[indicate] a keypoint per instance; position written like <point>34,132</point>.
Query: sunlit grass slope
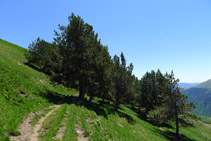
<point>102,123</point>
<point>22,89</point>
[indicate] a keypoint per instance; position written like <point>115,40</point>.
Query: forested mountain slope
<point>200,95</point>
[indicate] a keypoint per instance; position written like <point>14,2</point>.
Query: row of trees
<point>77,59</point>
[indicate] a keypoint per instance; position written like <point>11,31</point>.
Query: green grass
<point>199,131</point>
<point>40,115</point>
<point>109,126</point>
<point>84,123</point>
<point>102,123</point>
<point>205,119</point>
<point>24,90</point>
<point>53,122</point>
<point>70,132</point>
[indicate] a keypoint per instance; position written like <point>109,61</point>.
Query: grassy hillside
<point>22,89</point>
<point>25,92</point>
<point>200,95</point>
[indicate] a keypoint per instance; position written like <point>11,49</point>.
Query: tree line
<point>77,59</point>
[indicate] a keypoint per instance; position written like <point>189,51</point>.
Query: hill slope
<point>200,95</point>
<point>187,85</point>
<point>22,89</point>
<point>206,84</point>
<point>27,96</point>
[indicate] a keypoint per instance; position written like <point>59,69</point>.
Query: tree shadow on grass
<point>186,123</point>
<point>129,119</point>
<point>32,66</point>
<point>155,122</point>
<point>99,108</point>
<point>106,109</point>
<point>57,98</point>
<point>171,135</point>
<point>167,134</point>
<point>52,97</point>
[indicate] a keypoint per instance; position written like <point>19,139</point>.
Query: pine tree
<point>79,47</point>
<point>45,56</point>
<point>121,80</point>
<point>175,103</point>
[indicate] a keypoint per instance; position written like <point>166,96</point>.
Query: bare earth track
<point>80,134</point>
<point>29,132</point>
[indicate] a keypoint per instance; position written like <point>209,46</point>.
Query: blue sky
<point>165,34</point>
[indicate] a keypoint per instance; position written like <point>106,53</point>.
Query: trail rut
<point>29,132</point>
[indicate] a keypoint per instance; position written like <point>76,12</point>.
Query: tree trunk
<point>132,106</point>
<point>139,107</point>
<point>103,101</point>
<point>146,111</point>
<point>116,105</point>
<point>81,90</point>
<point>117,102</point>
<point>176,118</point>
<point>90,99</point>
<point>177,124</point>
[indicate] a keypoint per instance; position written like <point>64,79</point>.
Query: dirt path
<point>80,134</point>
<point>29,132</point>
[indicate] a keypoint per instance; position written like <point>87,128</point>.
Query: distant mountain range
<point>200,95</point>
<point>187,85</point>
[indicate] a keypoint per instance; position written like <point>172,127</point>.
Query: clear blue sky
<point>166,34</point>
